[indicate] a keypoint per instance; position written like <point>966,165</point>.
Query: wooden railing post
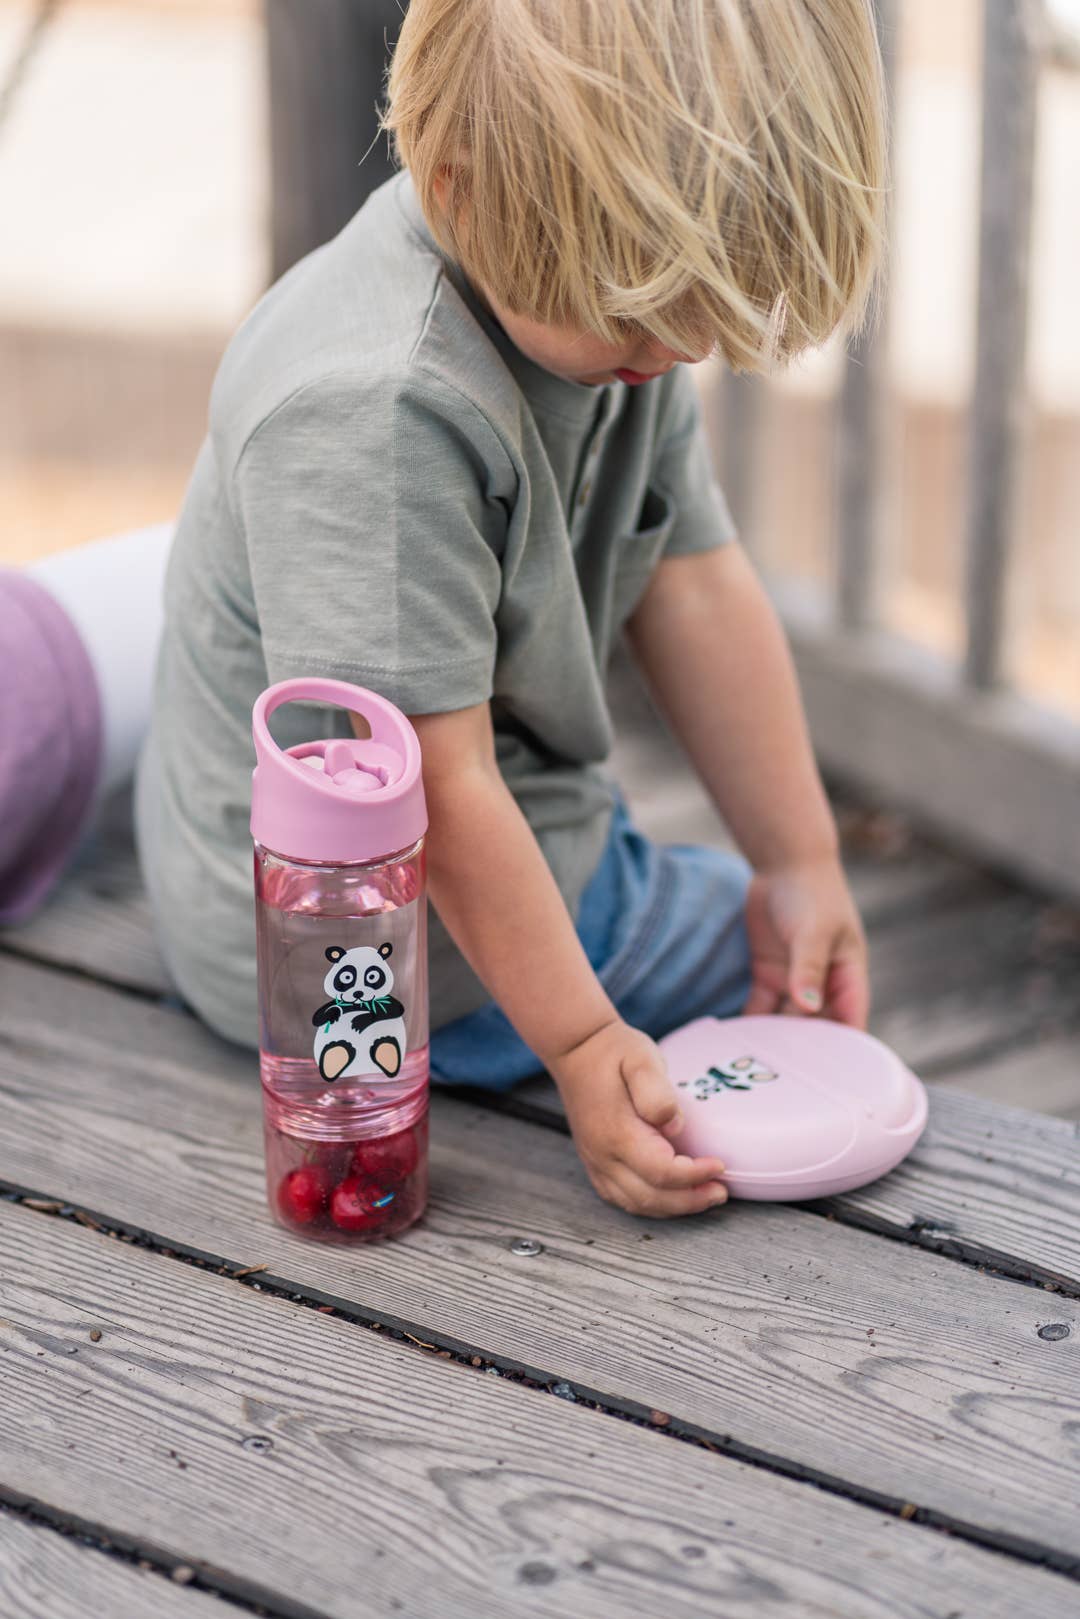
<point>862,483</point>
<point>326,63</point>
<point>740,414</point>
<point>1009,81</point>
<point>997,773</point>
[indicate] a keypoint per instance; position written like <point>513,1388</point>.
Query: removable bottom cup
<point>347,1192</point>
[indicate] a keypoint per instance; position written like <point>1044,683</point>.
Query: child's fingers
<point>763,998</point>
<point>638,1196</point>
<point>849,993</point>
<point>651,1091</point>
<point>810,951</point>
<point>653,1161</point>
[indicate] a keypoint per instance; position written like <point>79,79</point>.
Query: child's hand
<point>808,951</point>
<point>622,1107</point>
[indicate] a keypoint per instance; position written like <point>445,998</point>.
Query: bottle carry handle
<point>389,727</point>
<point>366,801</point>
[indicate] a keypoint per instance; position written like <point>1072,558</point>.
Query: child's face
<point>574,355</point>
<point>580,357</point>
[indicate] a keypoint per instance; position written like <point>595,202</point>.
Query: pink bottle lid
<point>346,799</point>
<point>796,1107</point>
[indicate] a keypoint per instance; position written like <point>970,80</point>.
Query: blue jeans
<point>663,928</point>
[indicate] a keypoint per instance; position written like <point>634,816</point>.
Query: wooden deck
<point>866,1408</point>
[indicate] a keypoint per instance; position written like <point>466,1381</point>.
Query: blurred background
<point>136,233</point>
<point>137,230</point>
<point>912,498</point>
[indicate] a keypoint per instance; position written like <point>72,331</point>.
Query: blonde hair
<point>707,173</point>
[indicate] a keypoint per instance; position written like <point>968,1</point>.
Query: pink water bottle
<point>341,928</point>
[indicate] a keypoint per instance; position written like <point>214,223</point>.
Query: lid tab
<point>339,800</point>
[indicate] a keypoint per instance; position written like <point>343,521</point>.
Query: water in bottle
<point>341,934</point>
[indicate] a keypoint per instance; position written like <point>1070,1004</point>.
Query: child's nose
<point>660,354</point>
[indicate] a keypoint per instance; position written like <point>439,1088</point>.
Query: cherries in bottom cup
<point>347,1191</point>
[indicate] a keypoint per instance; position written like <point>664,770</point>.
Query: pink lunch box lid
<point>796,1107</point>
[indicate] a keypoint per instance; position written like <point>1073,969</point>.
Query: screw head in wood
<point>526,1247</point>
<point>258,1442</point>
<point>1054,1330</point>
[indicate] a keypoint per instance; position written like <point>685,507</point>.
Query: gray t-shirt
<point>392,493</point>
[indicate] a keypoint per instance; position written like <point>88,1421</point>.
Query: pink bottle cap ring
<point>339,800</point>
<point>796,1107</point>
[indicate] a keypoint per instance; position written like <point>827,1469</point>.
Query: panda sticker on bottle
<point>361,1030</point>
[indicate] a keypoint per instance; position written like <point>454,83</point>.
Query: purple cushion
<point>50,742</point>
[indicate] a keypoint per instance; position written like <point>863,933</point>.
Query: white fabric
<point>111,589</point>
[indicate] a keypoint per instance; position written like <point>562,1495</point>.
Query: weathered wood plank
<point>887,875</point>
<point>991,772</point>
<point>380,1474</point>
<point>1043,1078</point>
<point>158,1128</point>
<point>985,973</point>
<point>939,977</point>
<point>957,955</point>
<point>970,1022</point>
<point>98,920</point>
<point>45,1575</point>
<point>998,1185</point>
<point>925,881</point>
<point>924,958</point>
<point>670,805</point>
<point>994,1183</point>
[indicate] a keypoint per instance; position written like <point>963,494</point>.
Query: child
<point>454,453</point>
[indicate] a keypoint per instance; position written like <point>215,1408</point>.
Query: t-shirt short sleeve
<point>682,474</point>
<point>374,536</point>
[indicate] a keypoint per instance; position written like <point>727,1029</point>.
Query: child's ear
<point>442,180</point>
<point>448,179</point>
<point>335,952</point>
<point>385,950</point>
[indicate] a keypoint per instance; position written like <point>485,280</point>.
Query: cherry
<point>386,1158</point>
<point>355,1206</point>
<point>303,1194</point>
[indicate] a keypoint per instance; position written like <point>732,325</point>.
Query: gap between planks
<point>210,1146</point>
<point>536,1102</point>
<point>931,1004</point>
<point>79,1567</point>
<point>430,1342</point>
<point>539,1103</point>
<point>556,1498</point>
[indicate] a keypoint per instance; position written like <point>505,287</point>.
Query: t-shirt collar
<point>575,401</point>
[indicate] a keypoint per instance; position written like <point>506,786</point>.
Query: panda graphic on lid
<point>361,1030</point>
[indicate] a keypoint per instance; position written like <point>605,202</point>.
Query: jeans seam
<point>615,981</point>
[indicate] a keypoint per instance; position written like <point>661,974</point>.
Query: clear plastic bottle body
<point>343,1013</point>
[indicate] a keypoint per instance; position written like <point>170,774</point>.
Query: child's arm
<point>494,892</point>
<point>714,653</point>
